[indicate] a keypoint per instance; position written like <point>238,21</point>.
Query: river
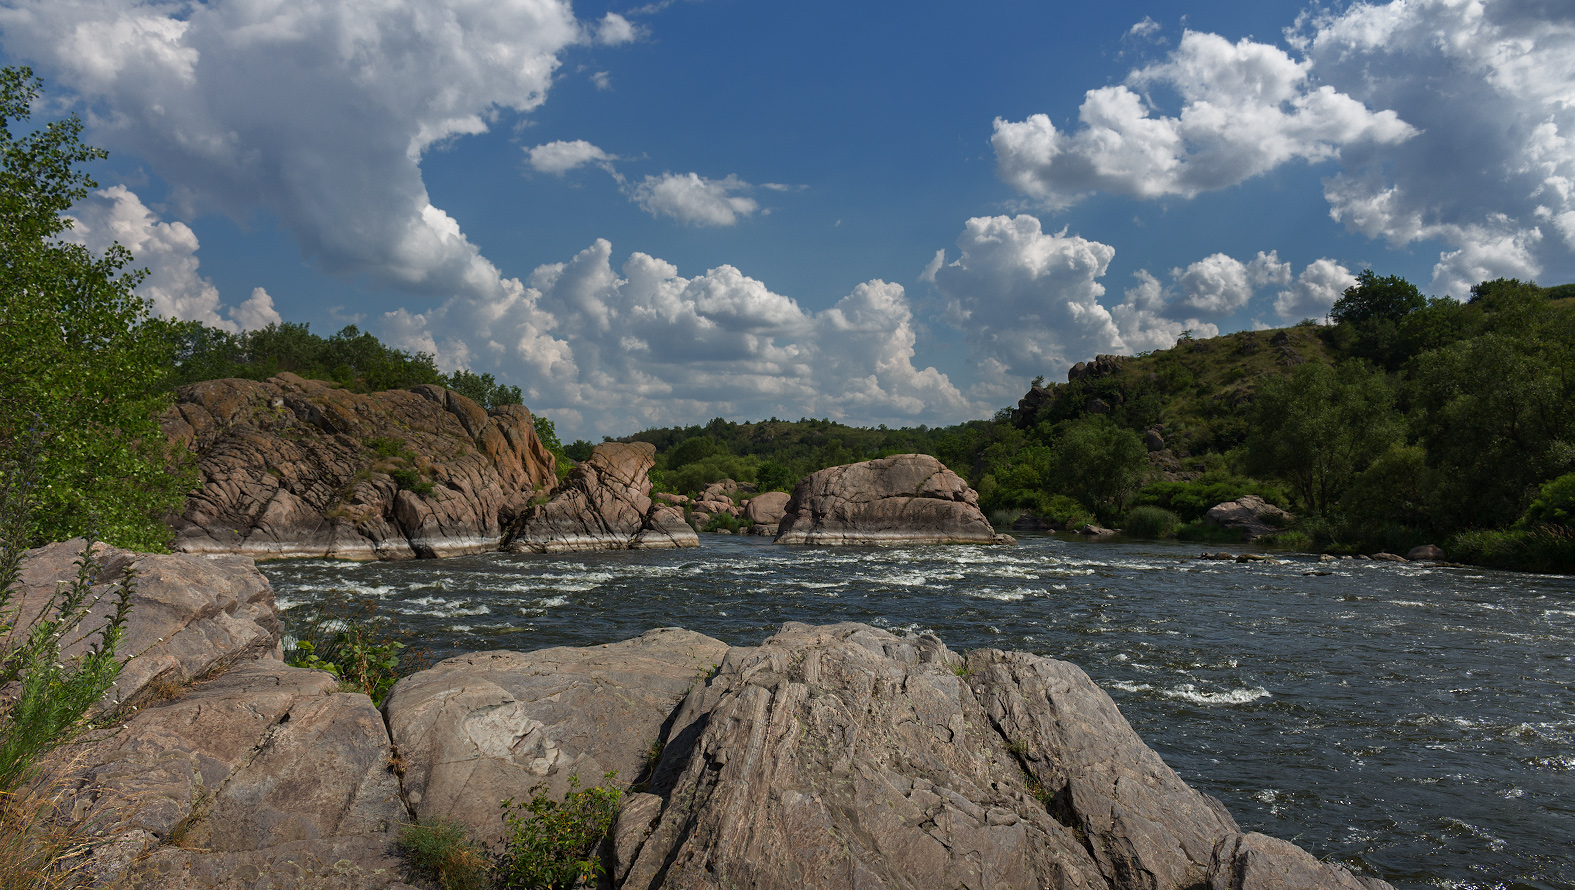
<point>1413,723</point>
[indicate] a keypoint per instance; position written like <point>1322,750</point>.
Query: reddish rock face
<point>293,467</point>
<point>903,499</point>
<point>604,504</point>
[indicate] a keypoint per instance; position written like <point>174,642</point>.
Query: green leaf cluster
<point>83,367</point>
<point>551,844</point>
<point>346,639</point>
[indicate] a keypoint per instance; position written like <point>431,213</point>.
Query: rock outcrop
<point>293,467</point>
<point>478,728</point>
<point>604,504</point>
<point>1253,516</point>
<point>904,499</point>
<point>190,617</point>
<point>766,512</point>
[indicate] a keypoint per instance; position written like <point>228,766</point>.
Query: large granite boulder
<point>1253,516</point>
<point>245,782</point>
<point>765,511</point>
<point>479,728</point>
<point>604,504</point>
<point>294,468</point>
<point>190,616</point>
<point>844,756</point>
<point>904,499</point>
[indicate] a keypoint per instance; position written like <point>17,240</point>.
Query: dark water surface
<point>1414,723</point>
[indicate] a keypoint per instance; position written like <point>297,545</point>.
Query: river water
<point>1413,723</point>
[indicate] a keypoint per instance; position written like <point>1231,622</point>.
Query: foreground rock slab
<point>245,782</point>
<point>299,468</point>
<point>479,728</point>
<point>604,504</point>
<point>904,499</point>
<point>190,617</point>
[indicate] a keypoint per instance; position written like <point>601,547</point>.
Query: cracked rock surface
<point>189,616</point>
<point>292,468</point>
<point>604,504</point>
<point>478,728</point>
<point>903,499</point>
<point>244,782</point>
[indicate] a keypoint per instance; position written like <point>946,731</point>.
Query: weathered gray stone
<point>1259,862</point>
<point>232,782</point>
<point>604,504</point>
<point>1426,552</point>
<point>190,616</point>
<point>479,728</point>
<point>767,508</point>
<point>1251,515</point>
<point>904,499</point>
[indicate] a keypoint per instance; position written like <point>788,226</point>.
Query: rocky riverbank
<point>826,756</point>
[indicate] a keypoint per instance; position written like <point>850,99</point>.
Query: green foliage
<point>724,522</point>
<point>54,692</point>
<point>1190,500</point>
<point>386,446</point>
<point>442,851</point>
<point>484,390</point>
<point>346,639</point>
<point>83,368</point>
<point>1554,505</point>
<point>1544,548</point>
<point>547,432</point>
<point>551,844</point>
<point>1318,426</point>
<point>1100,463</point>
<point>1150,522</point>
<point>410,479</point>
<point>1372,297</point>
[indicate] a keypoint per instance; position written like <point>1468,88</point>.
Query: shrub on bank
<point>1150,522</point>
<point>1541,548</point>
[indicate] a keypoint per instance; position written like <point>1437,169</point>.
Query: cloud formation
<point>168,251</point>
<point>1246,108</point>
<point>329,142</point>
<point>560,157</point>
<point>693,199</point>
<point>1491,174</point>
<point>601,350</point>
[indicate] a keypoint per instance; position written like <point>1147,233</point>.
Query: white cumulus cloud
<point>693,199</point>
<point>316,112</point>
<point>1246,108</point>
<point>1314,291</point>
<point>168,251</point>
<point>560,157</point>
<point>604,351</point>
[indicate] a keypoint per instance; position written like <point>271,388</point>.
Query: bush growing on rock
<point>551,844</point>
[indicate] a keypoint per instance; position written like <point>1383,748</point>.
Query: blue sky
<point>880,213</point>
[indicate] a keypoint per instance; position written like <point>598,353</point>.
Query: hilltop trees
<point>83,366</point>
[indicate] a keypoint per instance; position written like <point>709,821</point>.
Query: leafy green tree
<point>1100,463</point>
<point>1318,426</point>
<point>83,367</point>
<point>1373,297</point>
<point>486,391</point>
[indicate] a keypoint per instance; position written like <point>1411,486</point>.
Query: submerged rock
<point>300,468</point>
<point>905,499</point>
<point>604,504</point>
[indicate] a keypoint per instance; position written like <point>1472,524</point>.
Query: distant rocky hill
<point>298,468</point>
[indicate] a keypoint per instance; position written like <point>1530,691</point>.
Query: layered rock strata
<point>904,499</point>
<point>604,504</point>
<point>298,468</point>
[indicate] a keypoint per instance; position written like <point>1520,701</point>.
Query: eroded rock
<point>904,499</point>
<point>604,504</point>
<point>479,728</point>
<point>299,468</point>
<point>190,616</point>
<point>1253,516</point>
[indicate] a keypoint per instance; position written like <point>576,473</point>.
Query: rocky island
<point>904,499</point>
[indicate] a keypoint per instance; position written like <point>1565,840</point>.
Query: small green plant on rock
<point>551,844</point>
<point>442,851</point>
<point>344,640</point>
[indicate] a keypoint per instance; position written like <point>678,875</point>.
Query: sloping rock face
<point>844,756</point>
<point>295,468</point>
<point>479,728</point>
<point>245,782</point>
<point>1251,515</point>
<point>604,504</point>
<point>904,499</point>
<point>190,617</point>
